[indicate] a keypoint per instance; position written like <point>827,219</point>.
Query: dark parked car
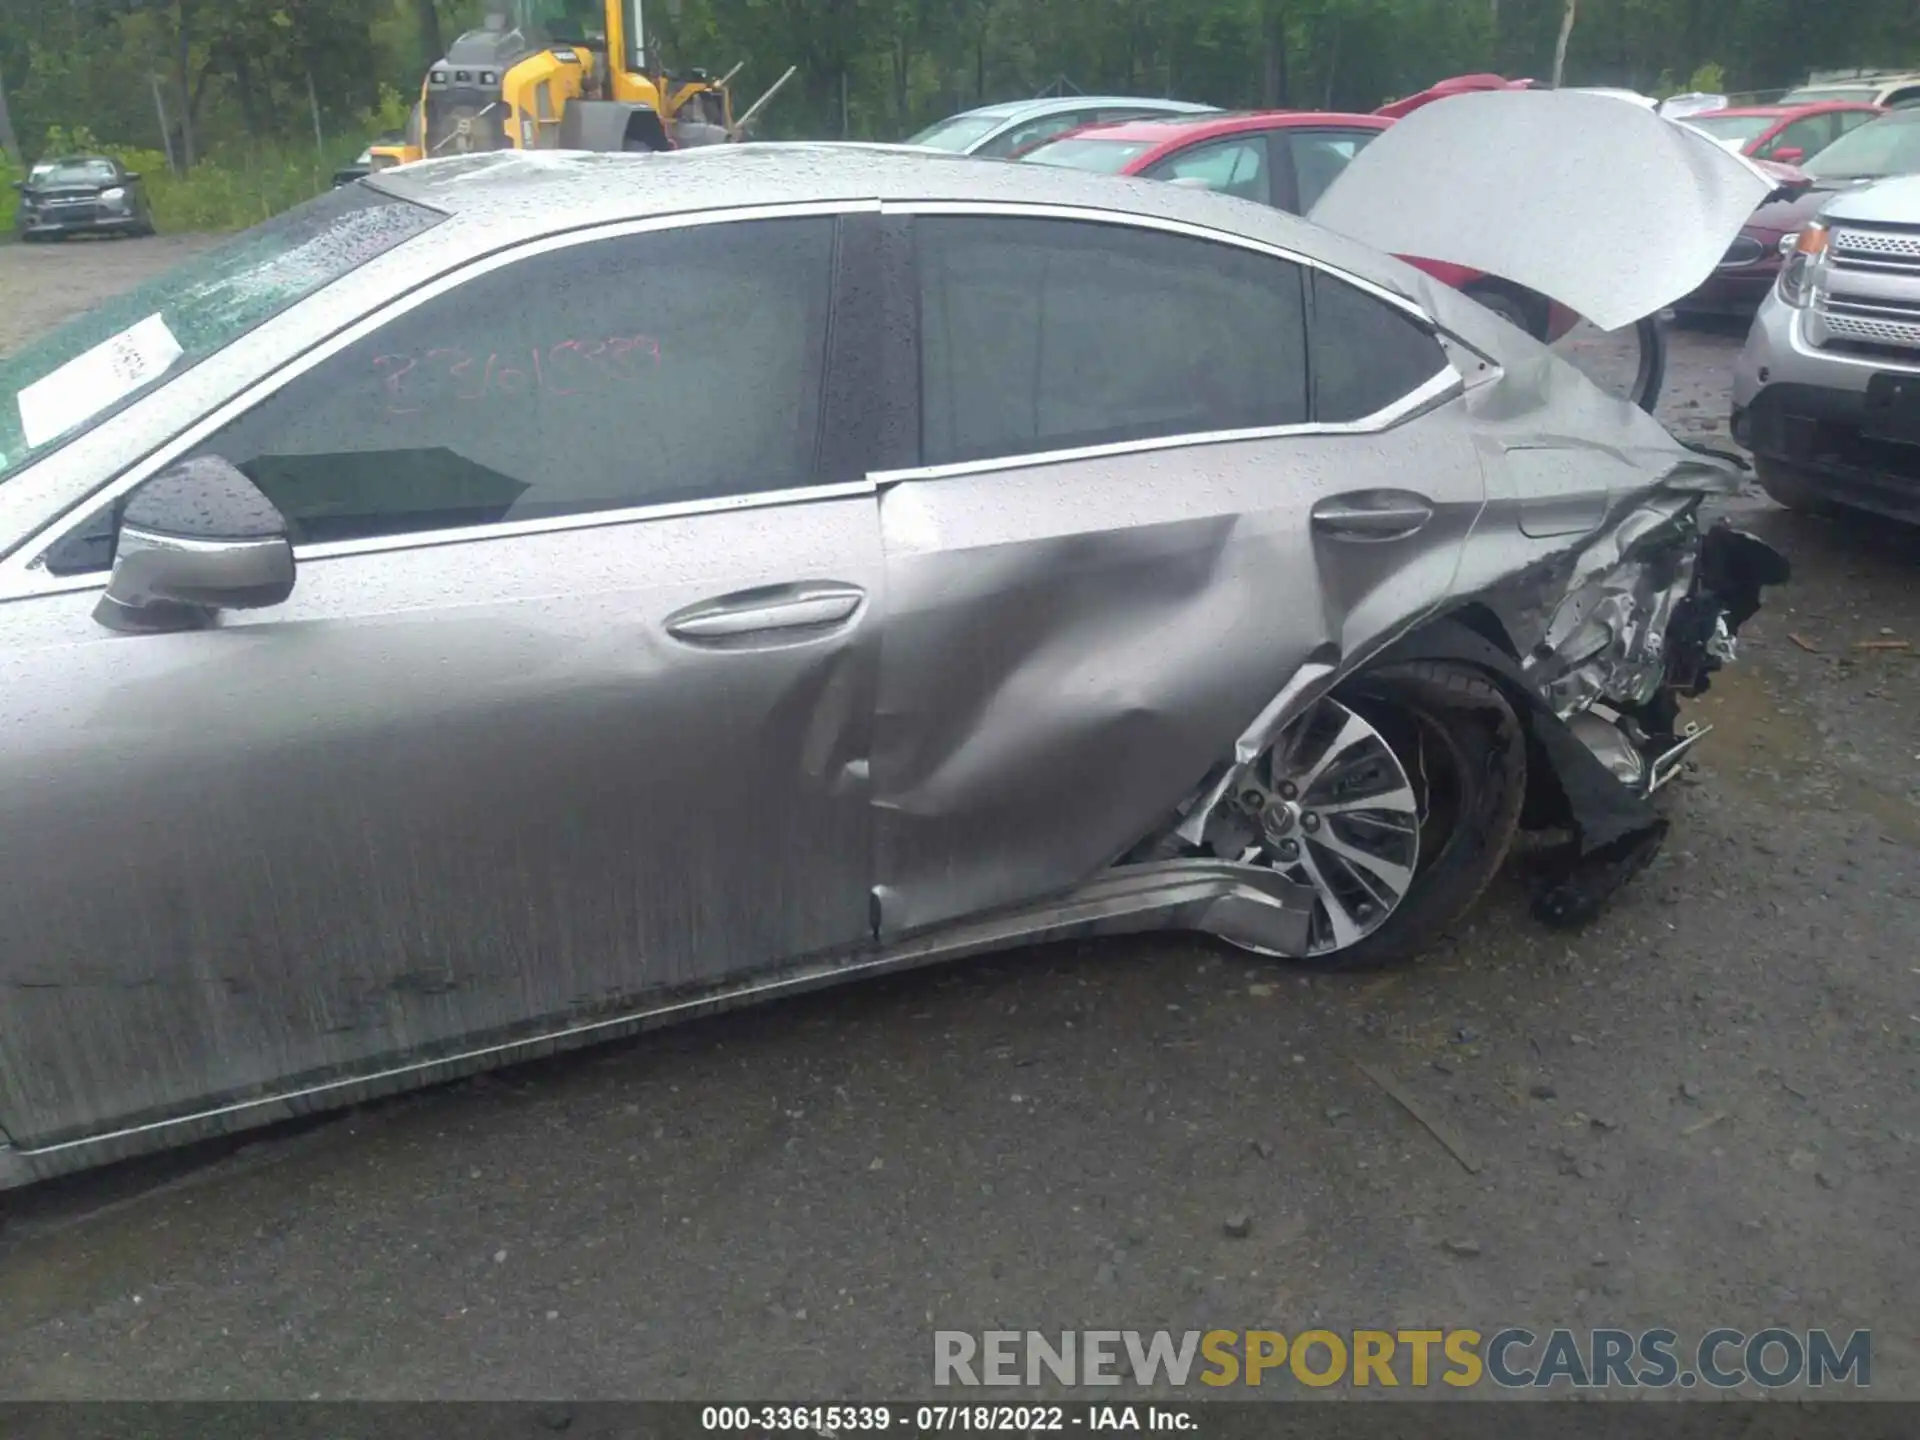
<point>82,194</point>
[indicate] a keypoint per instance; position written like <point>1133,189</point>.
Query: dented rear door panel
<point>1055,683</point>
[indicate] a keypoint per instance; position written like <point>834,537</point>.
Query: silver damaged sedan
<point>519,599</point>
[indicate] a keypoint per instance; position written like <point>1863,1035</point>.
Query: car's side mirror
<point>132,175</point>
<point>196,539</point>
<point>1792,155</point>
<point>21,186</point>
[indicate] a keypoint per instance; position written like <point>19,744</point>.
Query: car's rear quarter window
<point>1367,354</point>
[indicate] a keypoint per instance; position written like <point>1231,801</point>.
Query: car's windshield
<point>1108,157</point>
<point>1835,92</point>
<point>1733,127</point>
<point>72,379</point>
<point>956,134</point>
<point>75,172</point>
<point>1887,146</point>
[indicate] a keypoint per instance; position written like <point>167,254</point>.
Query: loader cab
<point>465,103</point>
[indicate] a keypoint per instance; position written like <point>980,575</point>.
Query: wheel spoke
<point>1361,874</point>
<point>1399,801</point>
<point>1354,731</point>
<point>1395,876</point>
<point>1345,931</point>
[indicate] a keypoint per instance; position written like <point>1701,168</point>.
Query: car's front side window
<point>641,369</point>
<point>1809,137</point>
<point>1044,334</point>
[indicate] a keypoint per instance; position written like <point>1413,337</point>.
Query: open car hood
<point>1606,207</point>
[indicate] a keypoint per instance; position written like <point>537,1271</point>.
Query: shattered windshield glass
<point>69,381</point>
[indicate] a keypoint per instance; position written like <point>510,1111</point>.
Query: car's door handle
<point>774,608</point>
<point>1372,515</point>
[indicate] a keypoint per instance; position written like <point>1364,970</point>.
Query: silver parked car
<point>994,132</point>
<point>1826,392</point>
<point>516,599</point>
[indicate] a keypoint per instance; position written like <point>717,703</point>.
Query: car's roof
<point>506,197</point>
<point>1870,85</point>
<point>1056,104</point>
<point>1200,127</point>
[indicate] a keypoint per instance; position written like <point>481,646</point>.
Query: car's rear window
<point>72,379</point>
<point>1107,157</point>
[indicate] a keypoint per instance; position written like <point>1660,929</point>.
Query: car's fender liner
<point>1614,831</point>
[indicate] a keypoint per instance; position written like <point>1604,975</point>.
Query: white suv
<point>1896,91</point>
<point>1827,391</point>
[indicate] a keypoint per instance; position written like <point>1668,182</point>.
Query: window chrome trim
<point>1444,384</point>
<point>23,573</point>
<point>1043,210</point>
<point>45,584</point>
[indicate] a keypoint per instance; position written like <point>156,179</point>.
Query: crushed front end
<point>1652,609</point>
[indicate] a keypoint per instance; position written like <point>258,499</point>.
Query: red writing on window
<point>413,383</point>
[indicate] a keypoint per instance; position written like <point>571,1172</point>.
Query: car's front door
<point>1233,165</point>
<point>1136,517</point>
<point>570,704</point>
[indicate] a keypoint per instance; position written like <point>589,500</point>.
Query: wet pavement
<point>1701,1111</point>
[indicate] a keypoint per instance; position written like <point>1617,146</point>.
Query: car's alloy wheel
<point>1331,807</point>
<point>1395,802</point>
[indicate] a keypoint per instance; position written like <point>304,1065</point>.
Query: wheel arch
<point>1567,785</point>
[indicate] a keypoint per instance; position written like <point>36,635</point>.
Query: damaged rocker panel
<point>1252,907</point>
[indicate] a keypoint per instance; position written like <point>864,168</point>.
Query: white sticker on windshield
<point>89,383</point>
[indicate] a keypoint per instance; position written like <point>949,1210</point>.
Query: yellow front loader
<point>564,75</point>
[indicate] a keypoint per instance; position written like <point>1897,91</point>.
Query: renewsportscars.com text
<point>1512,1358</point>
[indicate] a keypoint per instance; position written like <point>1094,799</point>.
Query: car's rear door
<point>1128,531</point>
<point>570,705</point>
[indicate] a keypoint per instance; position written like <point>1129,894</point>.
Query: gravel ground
<point>1702,1111</point>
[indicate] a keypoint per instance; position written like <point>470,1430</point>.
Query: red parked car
<point>1286,159</point>
<point>1786,134</point>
